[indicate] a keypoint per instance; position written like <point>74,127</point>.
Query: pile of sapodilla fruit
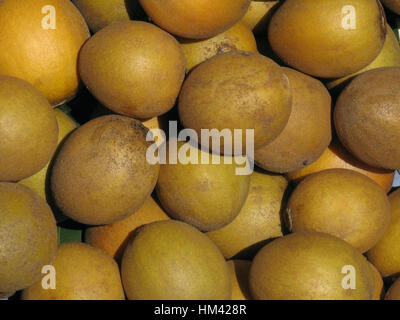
<point>318,81</point>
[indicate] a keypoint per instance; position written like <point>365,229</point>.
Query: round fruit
<point>240,279</point>
<point>259,14</point>
<point>341,202</point>
<point>113,238</point>
<point>195,19</point>
<point>394,291</point>
<point>367,117</point>
<point>28,236</point>
<point>82,273</point>
<point>385,255</point>
<point>207,196</point>
<point>336,157</point>
<point>258,221</point>
<point>101,174</point>
<point>308,131</point>
<point>393,5</point>
<point>28,129</point>
<point>310,266</point>
<point>388,57</point>
<point>39,181</point>
<point>329,39</point>
<point>238,37</point>
<point>134,68</point>
<point>170,260</point>
<point>237,90</point>
<point>40,42</point>
<point>379,289</point>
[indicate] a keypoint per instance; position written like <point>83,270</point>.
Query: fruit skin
<point>394,291</point>
<point>379,288</point>
<point>28,129</point>
<point>100,164</point>
<point>308,266</point>
<point>195,19</point>
<point>367,117</point>
<point>259,14</point>
<point>259,219</point>
<point>341,202</point>
<point>393,5</point>
<point>29,236</point>
<point>238,37</point>
<point>388,57</point>
<point>309,36</point>
<point>237,90</point>
<point>308,131</point>
<point>82,273</point>
<point>38,181</point>
<point>207,196</point>
<point>240,279</point>
<point>336,157</point>
<point>45,58</point>
<point>113,238</point>
<point>121,64</point>
<point>171,260</point>
<point>385,255</point>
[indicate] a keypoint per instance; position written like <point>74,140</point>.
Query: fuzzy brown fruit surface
<point>308,266</point>
<point>171,260</point>
<point>308,131</point>
<point>367,117</point>
<point>195,19</point>
<point>237,90</point>
<point>101,174</point>
<point>328,39</point>
<point>133,68</point>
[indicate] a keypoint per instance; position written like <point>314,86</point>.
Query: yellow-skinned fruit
<point>259,14</point>
<point>240,279</point>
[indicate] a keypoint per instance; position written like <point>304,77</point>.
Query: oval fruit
<point>237,90</point>
<point>240,279</point>
<point>28,129</point>
<point>393,5</point>
<point>170,260</point>
<point>28,236</point>
<point>101,174</point>
<point>40,42</point>
<point>394,291</point>
<point>308,131</point>
<point>195,19</point>
<point>259,14</point>
<point>379,288</point>
<point>367,117</point>
<point>83,273</point>
<point>133,68</point>
<point>341,202</point>
<point>308,266</point>
<point>328,39</point>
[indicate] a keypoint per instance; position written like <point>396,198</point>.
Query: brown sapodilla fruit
<point>40,42</point>
<point>101,174</point>
<point>195,19</point>
<point>133,68</point>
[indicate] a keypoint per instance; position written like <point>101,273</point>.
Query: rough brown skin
<point>113,238</point>
<point>393,5</point>
<point>207,196</point>
<point>367,117</point>
<point>195,19</point>
<point>133,68</point>
<point>45,58</point>
<point>394,291</point>
<point>259,14</point>
<point>385,255</point>
<point>341,202</point>
<point>101,174</point>
<point>258,220</point>
<point>308,35</point>
<point>171,260</point>
<point>240,279</point>
<point>237,90</point>
<point>307,266</point>
<point>238,37</point>
<point>308,131</point>
<point>82,273</point>
<point>28,236</point>
<point>336,157</point>
<point>28,129</point>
